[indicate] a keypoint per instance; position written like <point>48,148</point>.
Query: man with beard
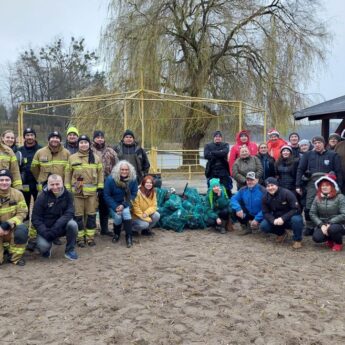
<point>28,151</point>
<point>216,153</point>
<point>109,158</point>
<point>51,159</point>
<point>128,149</point>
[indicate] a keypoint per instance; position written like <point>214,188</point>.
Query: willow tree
<point>240,49</point>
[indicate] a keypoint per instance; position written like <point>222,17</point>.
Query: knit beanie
<point>98,134</point>
<point>217,133</point>
<point>54,134</point>
<point>304,142</point>
<point>72,130</point>
<point>293,133</point>
<point>84,137</point>
<point>214,182</point>
<point>5,172</point>
<point>318,138</point>
<point>334,136</point>
<point>271,180</point>
<point>285,147</point>
<point>29,130</point>
<point>128,132</point>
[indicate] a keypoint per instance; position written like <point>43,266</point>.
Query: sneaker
<point>20,262</point>
<point>47,254</point>
<point>297,245</point>
<point>71,255</point>
<point>337,247</point>
<point>281,238</point>
<point>330,244</point>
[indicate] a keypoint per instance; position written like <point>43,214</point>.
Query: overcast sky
<point>38,22</point>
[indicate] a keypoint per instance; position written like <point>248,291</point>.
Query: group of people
<point>68,184</point>
<point>279,182</point>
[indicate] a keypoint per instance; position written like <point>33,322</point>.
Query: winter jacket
<point>328,211</point>
<point>282,203</point>
<point>135,155</point>
<point>46,162</point>
<point>114,195</point>
<point>242,166</point>
<point>26,174</point>
<point>275,146</point>
<point>268,167</point>
<point>71,148</point>
<point>316,162</point>
<point>82,177</point>
<point>8,160</point>
<point>108,157</point>
<point>235,150</point>
<point>340,150</point>
<point>51,214</point>
<point>286,170</point>
<point>217,159</point>
<point>249,199</point>
<point>215,204</point>
<point>142,204</point>
<point>13,207</point>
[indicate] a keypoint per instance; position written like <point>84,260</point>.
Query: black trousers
<point>335,234</point>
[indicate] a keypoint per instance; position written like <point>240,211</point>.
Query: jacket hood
<point>238,141</point>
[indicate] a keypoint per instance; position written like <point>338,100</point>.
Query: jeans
<point>118,218</point>
<point>71,236</point>
<point>295,223</point>
<point>139,224</point>
<point>335,234</point>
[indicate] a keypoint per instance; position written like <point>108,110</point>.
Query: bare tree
<point>252,50</point>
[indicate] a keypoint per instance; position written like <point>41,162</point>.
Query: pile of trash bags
<point>188,211</point>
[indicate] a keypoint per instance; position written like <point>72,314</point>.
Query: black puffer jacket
<point>328,211</point>
<point>286,170</point>
<point>51,214</point>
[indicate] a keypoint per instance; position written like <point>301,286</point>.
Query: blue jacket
<point>251,200</point>
<point>115,195</point>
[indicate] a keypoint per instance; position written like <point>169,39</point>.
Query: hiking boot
<point>337,247</point>
<point>81,244</point>
<point>57,242</point>
<point>71,255</point>
<point>116,238</point>
<point>147,232</point>
<point>297,245</point>
<point>31,246</point>
<point>91,243</point>
<point>282,238</point>
<point>228,226</point>
<point>308,231</point>
<point>106,233</point>
<point>245,230</point>
<point>20,262</point>
<point>329,244</point>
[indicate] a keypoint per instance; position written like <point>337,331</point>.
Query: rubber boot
<point>117,232</point>
<point>127,224</point>
<point>104,227</point>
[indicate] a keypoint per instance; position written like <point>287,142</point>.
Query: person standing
<point>52,216</point>
<point>8,138</point>
<point>293,143</point>
<point>216,153</point>
<point>28,151</point>
<point>340,150</point>
<point>13,210</point>
<point>108,158</point>
<point>333,140</point>
<point>274,143</point>
<point>312,165</point>
<point>71,143</point>
<point>128,149</point>
<point>267,162</point>
<point>84,177</point>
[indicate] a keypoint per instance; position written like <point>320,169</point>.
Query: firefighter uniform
<point>13,211</point>
<point>8,160</point>
<point>84,178</point>
<point>47,162</point>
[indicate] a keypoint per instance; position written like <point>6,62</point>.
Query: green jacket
<point>328,211</point>
<point>215,203</point>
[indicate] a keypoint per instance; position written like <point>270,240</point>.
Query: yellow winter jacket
<point>13,207</point>
<point>82,177</point>
<point>8,160</point>
<point>47,162</point>
<point>142,204</point>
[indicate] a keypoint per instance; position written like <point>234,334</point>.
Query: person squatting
<point>282,185</point>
